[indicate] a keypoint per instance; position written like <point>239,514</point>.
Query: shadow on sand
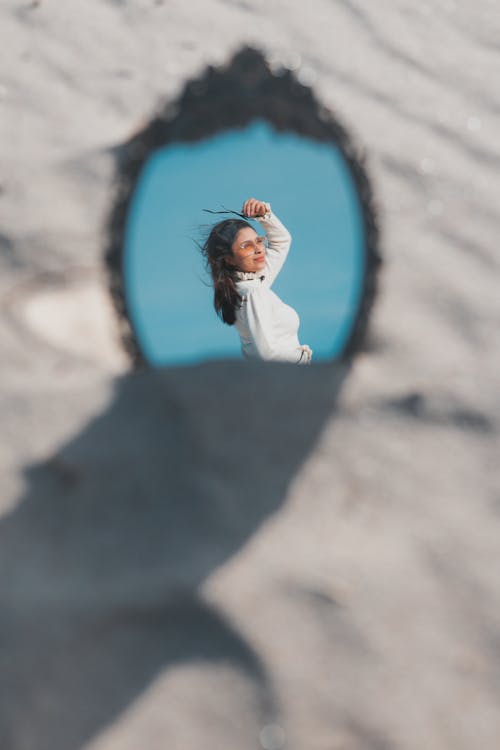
<point>102,558</point>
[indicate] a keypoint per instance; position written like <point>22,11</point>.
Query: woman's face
<point>249,251</point>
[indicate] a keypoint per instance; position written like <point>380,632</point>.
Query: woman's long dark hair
<point>216,250</point>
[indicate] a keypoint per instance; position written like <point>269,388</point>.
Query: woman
<point>243,266</point>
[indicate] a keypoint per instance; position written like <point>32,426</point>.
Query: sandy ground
<point>318,571</point>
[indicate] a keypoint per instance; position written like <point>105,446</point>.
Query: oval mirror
<point>240,132</point>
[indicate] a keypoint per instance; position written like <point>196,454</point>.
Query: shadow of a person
<point>101,560</point>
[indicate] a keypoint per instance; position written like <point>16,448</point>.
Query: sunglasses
<point>259,243</point>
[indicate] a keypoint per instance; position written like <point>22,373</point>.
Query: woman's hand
<point>306,356</point>
<point>253,207</point>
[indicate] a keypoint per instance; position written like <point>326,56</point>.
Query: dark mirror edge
<point>201,111</point>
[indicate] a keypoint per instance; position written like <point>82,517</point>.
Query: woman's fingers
<point>308,352</point>
<point>246,207</point>
<point>254,207</point>
<point>249,207</point>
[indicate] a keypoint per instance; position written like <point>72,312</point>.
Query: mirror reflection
<point>306,184</point>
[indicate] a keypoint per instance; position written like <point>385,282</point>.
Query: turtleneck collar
<point>250,275</point>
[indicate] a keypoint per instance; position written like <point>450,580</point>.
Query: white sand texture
<point>230,556</point>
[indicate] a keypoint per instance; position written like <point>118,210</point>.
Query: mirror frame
<point>246,89</point>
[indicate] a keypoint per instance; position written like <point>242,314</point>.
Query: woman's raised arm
<point>279,237</point>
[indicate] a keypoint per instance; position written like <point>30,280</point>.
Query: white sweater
<point>267,327</point>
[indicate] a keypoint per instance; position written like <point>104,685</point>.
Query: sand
<point>318,570</point>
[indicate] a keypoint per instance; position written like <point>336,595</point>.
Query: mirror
<point>289,153</point>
